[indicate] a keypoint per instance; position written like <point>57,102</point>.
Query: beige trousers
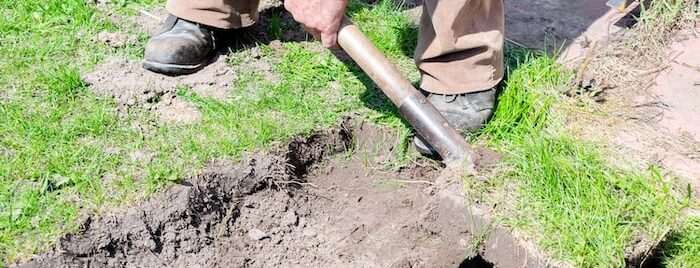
<point>460,44</point>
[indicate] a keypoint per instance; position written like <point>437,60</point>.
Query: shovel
<point>415,108</point>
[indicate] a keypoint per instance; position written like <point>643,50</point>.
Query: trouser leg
<point>460,45</point>
<point>224,14</point>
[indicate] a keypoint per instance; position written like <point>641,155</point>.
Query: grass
<point>52,131</point>
<point>65,151</point>
<point>579,207</point>
<point>682,249</point>
<point>570,200</point>
<point>663,16</point>
<point>658,22</point>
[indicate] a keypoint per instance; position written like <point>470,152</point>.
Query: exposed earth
<point>298,205</point>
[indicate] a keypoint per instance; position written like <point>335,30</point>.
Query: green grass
<point>569,199</point>
<point>52,131</point>
<point>682,248</point>
<point>65,151</point>
<point>658,23</point>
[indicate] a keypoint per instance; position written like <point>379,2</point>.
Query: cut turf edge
<point>560,192</point>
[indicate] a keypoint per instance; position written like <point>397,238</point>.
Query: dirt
<point>679,87</point>
<point>298,205</point>
<point>646,107</point>
<point>131,86</point>
<point>115,39</point>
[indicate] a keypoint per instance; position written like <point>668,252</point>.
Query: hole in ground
<point>344,212</point>
<point>475,262</point>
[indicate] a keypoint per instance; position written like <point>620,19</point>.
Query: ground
<point>283,153</point>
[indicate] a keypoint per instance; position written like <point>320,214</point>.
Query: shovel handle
<point>421,114</point>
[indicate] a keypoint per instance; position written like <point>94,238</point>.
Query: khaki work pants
<point>460,45</point>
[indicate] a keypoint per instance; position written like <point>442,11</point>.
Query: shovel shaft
<point>413,105</point>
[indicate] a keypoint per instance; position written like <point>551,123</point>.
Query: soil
<point>116,39</point>
<point>130,85</point>
<point>298,205</point>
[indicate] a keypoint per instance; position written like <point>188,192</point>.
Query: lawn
<point>65,151</point>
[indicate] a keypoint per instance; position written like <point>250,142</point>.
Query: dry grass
<point>637,52</point>
<point>619,74</point>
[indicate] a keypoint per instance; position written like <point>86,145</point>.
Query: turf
<point>569,199</point>
<point>52,131</point>
<point>682,248</point>
<point>65,151</point>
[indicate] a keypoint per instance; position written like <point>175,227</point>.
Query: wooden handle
<point>415,108</point>
<point>374,63</point>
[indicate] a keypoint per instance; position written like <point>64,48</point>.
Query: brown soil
<point>296,206</point>
<point>132,86</point>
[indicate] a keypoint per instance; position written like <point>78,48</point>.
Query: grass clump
<point>577,206</point>
<point>662,16</point>
<point>682,248</point>
<point>658,22</point>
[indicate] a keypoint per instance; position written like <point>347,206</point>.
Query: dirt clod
<point>116,39</point>
<point>257,234</point>
<point>130,85</point>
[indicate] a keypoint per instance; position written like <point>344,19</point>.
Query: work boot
<point>467,112</point>
<point>182,47</point>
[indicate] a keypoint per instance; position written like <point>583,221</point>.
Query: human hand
<point>321,18</point>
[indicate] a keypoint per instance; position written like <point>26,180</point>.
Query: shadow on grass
<point>276,24</point>
<point>680,248</point>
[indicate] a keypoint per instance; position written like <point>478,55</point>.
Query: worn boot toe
<point>466,112</point>
<point>183,47</point>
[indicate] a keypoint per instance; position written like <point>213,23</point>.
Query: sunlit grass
<point>569,199</point>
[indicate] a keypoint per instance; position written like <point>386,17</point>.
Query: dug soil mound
<point>299,205</point>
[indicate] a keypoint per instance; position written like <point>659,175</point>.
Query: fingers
<point>329,39</point>
<point>316,34</point>
<point>321,18</point>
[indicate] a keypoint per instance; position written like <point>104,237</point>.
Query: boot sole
<point>172,69</point>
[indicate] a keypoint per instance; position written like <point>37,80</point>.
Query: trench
<point>318,200</point>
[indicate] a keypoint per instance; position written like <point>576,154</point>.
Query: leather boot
<point>467,112</point>
<point>182,47</point>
